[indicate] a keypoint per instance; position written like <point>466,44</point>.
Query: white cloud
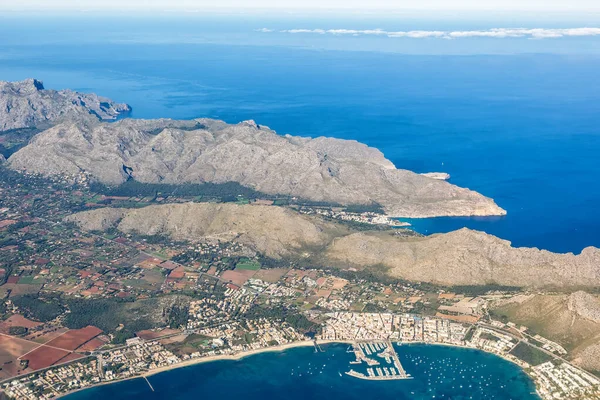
<point>500,33</point>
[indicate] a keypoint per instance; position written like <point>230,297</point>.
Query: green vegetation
<point>177,317</point>
<point>478,290</point>
<point>246,264</point>
<point>17,330</point>
<point>30,280</point>
<point>302,324</point>
<point>489,336</point>
<point>283,314</point>
<point>42,309</point>
<point>364,208</point>
<point>530,354</point>
<point>14,140</point>
<point>190,344</point>
<point>225,191</point>
<point>469,334</point>
<point>109,314</point>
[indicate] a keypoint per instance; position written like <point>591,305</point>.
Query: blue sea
<point>515,118</point>
<point>439,372</point>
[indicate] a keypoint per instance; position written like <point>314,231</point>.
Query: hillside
<point>273,231</point>
<point>203,150</point>
<point>462,257</point>
<point>467,257</point>
<point>562,318</point>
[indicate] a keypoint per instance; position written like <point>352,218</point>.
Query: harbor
<point>381,359</point>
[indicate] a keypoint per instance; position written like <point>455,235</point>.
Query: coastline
<point>201,360</point>
<point>236,356</point>
<point>248,353</point>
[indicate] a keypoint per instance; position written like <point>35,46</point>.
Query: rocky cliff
<point>462,257</point>
<point>321,169</point>
<point>27,104</point>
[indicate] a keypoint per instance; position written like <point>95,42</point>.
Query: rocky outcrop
<point>321,169</point>
<point>27,104</point>
<point>442,176</point>
<point>467,257</point>
<point>585,305</point>
<point>462,257</point>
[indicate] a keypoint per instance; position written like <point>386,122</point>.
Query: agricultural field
<point>247,265</point>
<point>530,354</point>
<point>11,349</point>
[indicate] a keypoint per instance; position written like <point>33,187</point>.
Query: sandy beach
<point>200,360</point>
<point>236,356</point>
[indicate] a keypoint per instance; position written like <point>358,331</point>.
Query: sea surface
<point>514,118</point>
<point>439,372</point>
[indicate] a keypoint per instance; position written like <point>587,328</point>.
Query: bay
<point>439,372</point>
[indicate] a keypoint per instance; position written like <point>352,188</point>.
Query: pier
<point>318,348</point>
<point>148,382</point>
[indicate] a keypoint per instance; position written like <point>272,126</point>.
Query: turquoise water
<point>439,372</point>
<point>515,119</point>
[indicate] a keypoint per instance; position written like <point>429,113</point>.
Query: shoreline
<point>248,353</point>
<point>202,360</point>
<point>234,357</point>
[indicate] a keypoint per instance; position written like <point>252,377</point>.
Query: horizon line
<point>183,9</point>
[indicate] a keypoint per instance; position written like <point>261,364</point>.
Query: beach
<point>201,360</point>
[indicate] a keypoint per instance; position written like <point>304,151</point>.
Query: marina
<point>382,361</point>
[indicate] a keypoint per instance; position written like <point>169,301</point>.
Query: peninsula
<point>77,143</point>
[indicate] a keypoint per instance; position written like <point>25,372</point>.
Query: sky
<point>532,5</point>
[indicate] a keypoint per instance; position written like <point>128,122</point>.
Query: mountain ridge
<point>204,150</point>
<point>463,257</point>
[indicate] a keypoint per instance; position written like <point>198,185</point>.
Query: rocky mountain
<point>274,231</point>
<point>27,104</point>
<point>463,257</point>
<point>467,257</point>
<point>203,150</point>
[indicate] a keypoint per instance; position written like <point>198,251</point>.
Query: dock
<point>397,363</point>
<point>390,370</point>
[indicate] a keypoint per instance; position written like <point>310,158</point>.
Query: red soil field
<point>237,277</point>
<point>44,356</point>
<point>17,320</point>
<point>91,345</point>
<point>75,338</point>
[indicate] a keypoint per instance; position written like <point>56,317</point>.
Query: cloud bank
<point>500,33</point>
